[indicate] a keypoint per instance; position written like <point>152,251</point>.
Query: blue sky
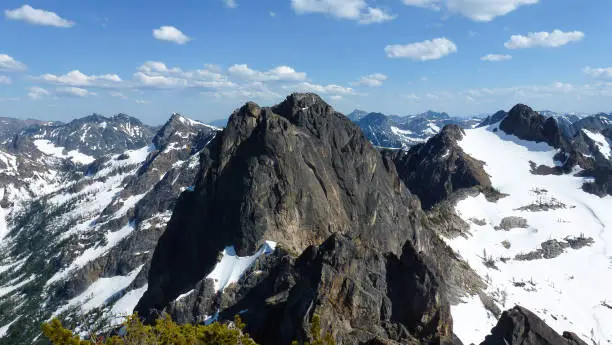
<point>61,59</point>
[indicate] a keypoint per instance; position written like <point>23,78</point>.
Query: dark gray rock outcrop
<point>358,293</point>
<point>512,222</point>
<point>439,167</point>
<point>519,326</point>
<point>527,124</point>
<point>298,173</point>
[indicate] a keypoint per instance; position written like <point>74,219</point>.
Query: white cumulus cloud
<point>37,92</point>
<point>170,34</point>
<point>73,91</point>
<point>5,80</point>
<point>357,10</point>
<point>324,89</point>
<point>554,39</point>
<point>286,73</point>
<point>375,15</point>
<point>7,63</point>
<point>422,51</point>
<point>477,10</point>
<point>372,80</point>
<point>496,57</point>
<point>250,91</point>
<point>35,16</point>
<point>77,78</point>
<point>598,72</point>
<point>486,10</point>
<point>155,74</point>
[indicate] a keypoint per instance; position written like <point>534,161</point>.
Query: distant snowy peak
<point>9,127</point>
<point>95,135</point>
<point>393,131</point>
<point>179,130</point>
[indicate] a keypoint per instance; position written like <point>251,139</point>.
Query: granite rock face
<point>301,174</point>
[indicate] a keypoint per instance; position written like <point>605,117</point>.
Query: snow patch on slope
<point>112,238</point>
<point>100,291</point>
<point>14,285</point>
<point>232,267</point>
<point>4,329</point>
<point>126,304</point>
<point>48,148</point>
<point>476,320</point>
<point>601,142</point>
<point>567,291</point>
<point>193,123</point>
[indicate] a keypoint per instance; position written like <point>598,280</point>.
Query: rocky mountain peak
<point>527,124</point>
<point>298,174</point>
<point>306,110</point>
<point>451,133</point>
<point>179,131</point>
<point>436,169</point>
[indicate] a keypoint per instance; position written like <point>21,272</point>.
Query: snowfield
<point>100,292</point>
<point>232,267</point>
<point>572,291</point>
<point>48,148</point>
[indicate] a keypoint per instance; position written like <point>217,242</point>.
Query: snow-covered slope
<point>601,142</point>
<point>79,247</point>
<point>231,266</point>
<point>554,257</point>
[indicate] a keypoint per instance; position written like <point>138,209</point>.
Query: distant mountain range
<point>395,131</point>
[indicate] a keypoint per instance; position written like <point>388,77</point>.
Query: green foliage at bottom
<point>164,332</point>
<point>317,338</point>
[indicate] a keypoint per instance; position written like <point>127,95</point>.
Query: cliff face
<point>296,174</point>
<point>439,167</point>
